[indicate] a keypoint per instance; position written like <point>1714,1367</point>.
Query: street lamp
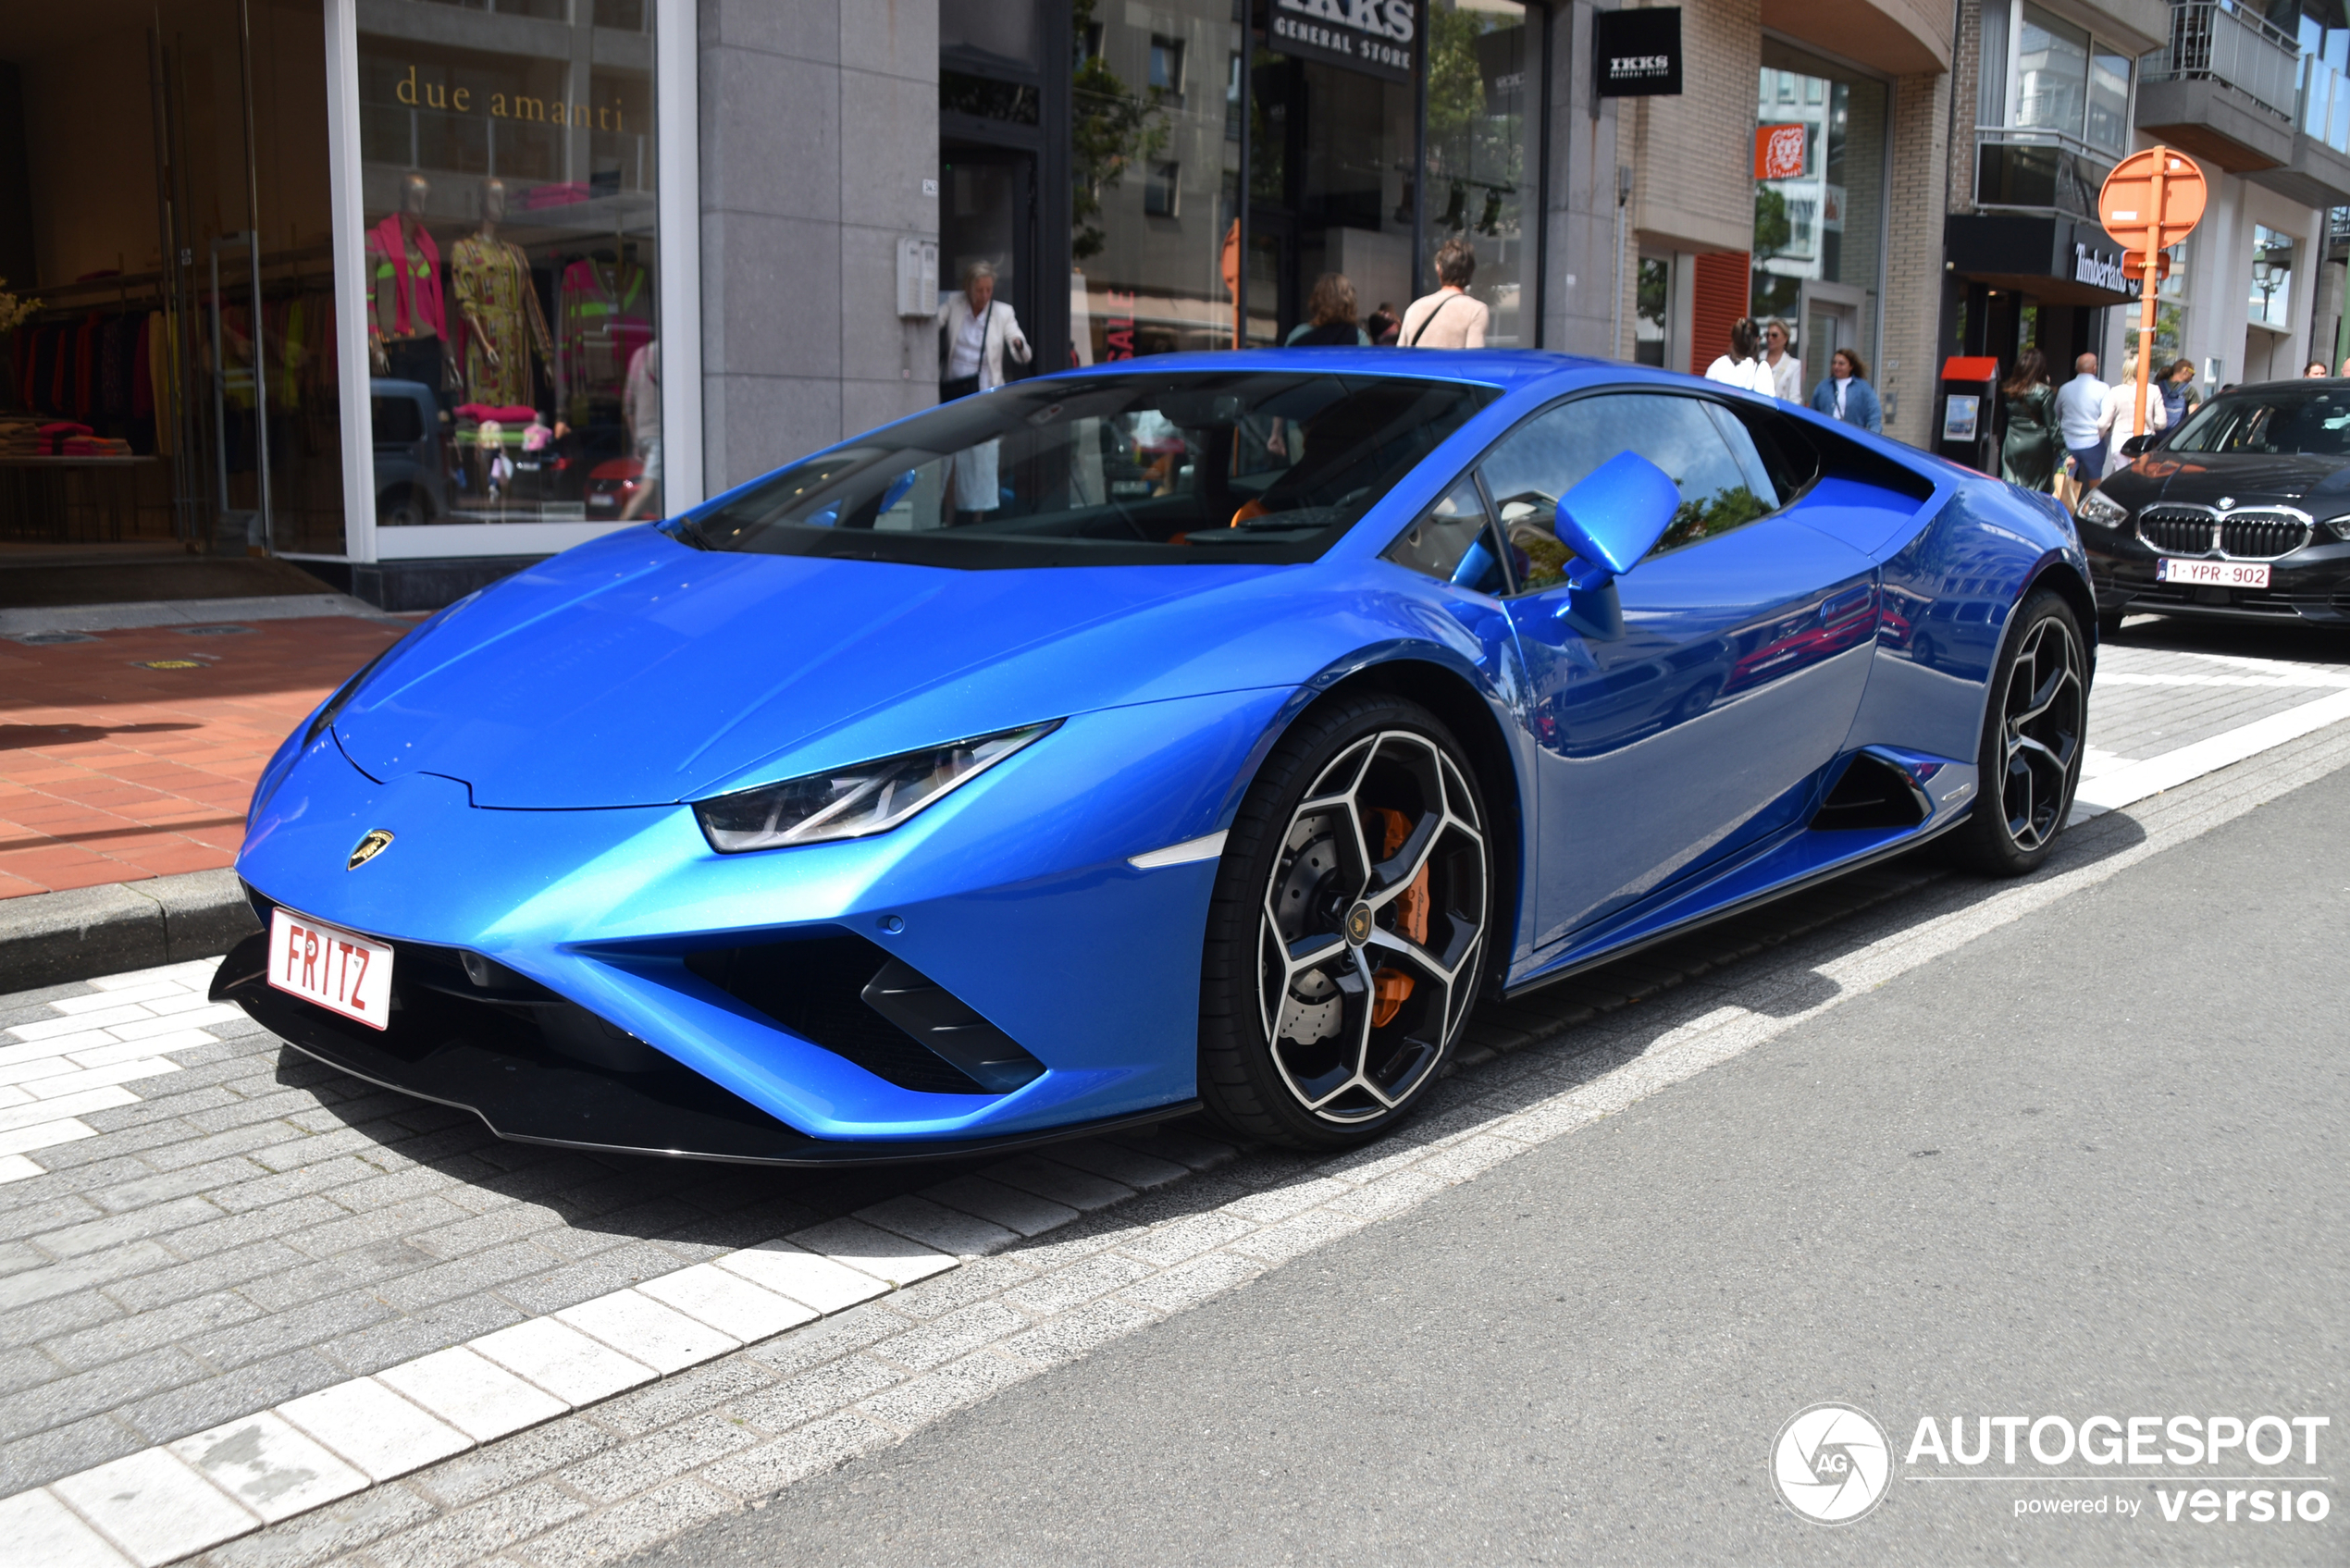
<point>2266,277</point>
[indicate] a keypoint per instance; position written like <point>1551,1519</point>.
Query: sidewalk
<point>128,754</point>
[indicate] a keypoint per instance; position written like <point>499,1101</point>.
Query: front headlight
<point>2338,527</point>
<point>852,802</point>
<point>2101,510</point>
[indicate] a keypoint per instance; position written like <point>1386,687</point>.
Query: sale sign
<point>1778,152</point>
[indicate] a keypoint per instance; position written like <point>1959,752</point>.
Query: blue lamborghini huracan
<point>1208,732</point>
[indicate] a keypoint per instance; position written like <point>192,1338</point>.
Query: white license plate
<point>343,972</point>
<point>2213,574</point>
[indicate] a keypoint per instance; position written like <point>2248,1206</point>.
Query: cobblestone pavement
<point>131,754</point>
<point>222,1227</point>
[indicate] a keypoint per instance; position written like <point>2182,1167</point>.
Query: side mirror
<point>2137,444</point>
<point>1614,517</point>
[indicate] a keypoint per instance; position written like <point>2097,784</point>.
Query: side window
<point>1451,543</point>
<point>1548,455</point>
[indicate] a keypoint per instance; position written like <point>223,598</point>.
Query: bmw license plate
<point>341,972</point>
<point>2213,574</point>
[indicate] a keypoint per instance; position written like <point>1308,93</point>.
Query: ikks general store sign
<point>1637,53</point>
<point>1377,38</point>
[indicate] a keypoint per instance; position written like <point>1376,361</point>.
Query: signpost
<point>2150,201</point>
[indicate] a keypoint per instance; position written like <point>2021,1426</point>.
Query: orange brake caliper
<point>1391,988</point>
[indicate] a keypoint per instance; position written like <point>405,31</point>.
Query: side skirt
<point>1582,962</point>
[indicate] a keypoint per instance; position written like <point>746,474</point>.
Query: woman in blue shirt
<point>1844,393</point>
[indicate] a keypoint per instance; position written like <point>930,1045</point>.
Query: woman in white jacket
<point>2116,424</point>
<point>980,330</point>
<point>1743,366</point>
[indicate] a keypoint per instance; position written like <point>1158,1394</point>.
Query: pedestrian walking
<point>2080,414</point>
<point>2115,424</point>
<point>1384,325</point>
<point>1329,316</point>
<point>1787,371</point>
<point>1743,366</point>
<point>1844,393</point>
<point>1449,318</point>
<point>2179,396</point>
<point>2028,450</point>
<point>981,330</point>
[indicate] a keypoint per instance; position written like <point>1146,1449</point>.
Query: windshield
<point>1233,466</point>
<point>2314,421</point>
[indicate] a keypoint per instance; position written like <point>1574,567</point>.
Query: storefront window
<point>1481,153</point>
<point>1654,299</point>
<point>1154,174</point>
<point>1819,217</point>
<point>511,257</point>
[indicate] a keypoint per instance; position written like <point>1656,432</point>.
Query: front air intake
<point>850,996</point>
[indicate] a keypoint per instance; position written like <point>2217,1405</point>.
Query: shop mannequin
<point>406,322</point>
<point>498,306</point>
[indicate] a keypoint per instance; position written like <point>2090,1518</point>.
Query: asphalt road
<point>2091,1164</point>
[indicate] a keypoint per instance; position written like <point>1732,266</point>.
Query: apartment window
<point>2052,74</point>
<point>1162,191</point>
<point>1167,66</point>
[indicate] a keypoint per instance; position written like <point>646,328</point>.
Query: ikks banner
<point>1377,38</point>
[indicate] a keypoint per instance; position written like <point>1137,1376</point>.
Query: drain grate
<point>215,631</point>
<point>48,640</point>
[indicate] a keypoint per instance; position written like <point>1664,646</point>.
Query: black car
<point>2241,513</point>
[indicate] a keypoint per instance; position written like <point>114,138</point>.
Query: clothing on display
<point>404,304</point>
<point>606,314</point>
<point>499,317</point>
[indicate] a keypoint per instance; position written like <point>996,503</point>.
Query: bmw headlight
<point>2338,527</point>
<point>2101,510</point>
<point>856,801</point>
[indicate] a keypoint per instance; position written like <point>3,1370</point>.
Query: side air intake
<point>1874,795</point>
<point>859,1002</point>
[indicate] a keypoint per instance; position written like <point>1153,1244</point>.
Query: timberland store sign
<point>2101,269</point>
<point>1377,38</point>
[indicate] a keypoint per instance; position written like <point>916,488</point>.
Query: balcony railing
<point>2214,41</point>
<point>2325,104</point>
<point>2037,171</point>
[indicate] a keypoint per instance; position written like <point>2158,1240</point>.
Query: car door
<point>1699,727</point>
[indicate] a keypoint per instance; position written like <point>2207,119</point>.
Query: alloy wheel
<point>1371,921</point>
<point>2042,721</point>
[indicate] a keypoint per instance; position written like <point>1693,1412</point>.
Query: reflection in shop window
<point>1654,297</point>
<point>1154,179</point>
<point>511,248</point>
<point>1818,229</point>
<point>2271,299</point>
<point>1480,152</point>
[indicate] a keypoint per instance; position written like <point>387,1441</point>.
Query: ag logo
<point>368,849</point>
<point>1832,1463</point>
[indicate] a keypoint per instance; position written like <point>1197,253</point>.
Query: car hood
<point>637,671</point>
<point>2202,478</point>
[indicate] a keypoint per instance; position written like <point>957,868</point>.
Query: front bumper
<point>1012,898</point>
<point>501,1068</point>
<point>2310,585</point>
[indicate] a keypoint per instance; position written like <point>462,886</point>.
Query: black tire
<point>404,506</point>
<point>2033,727</point>
<point>1302,1040</point>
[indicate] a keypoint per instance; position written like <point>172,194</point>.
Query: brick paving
<point>111,771</point>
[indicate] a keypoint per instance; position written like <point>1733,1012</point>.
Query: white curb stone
<point>473,1394</point>
<point>268,1465</point>
<point>154,1507</point>
<point>639,1327</point>
<point>375,1428</point>
<point>566,1362</point>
